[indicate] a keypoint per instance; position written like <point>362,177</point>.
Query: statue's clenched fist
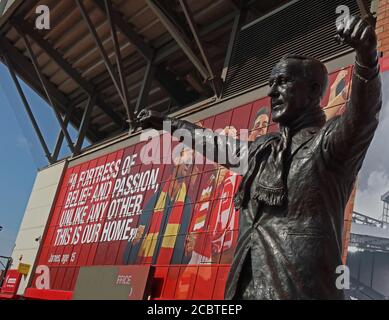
<point>360,35</point>
<point>150,119</point>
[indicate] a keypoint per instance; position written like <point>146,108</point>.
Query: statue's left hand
<point>150,119</point>
<point>361,36</point>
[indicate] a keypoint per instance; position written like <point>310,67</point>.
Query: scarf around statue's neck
<point>271,179</point>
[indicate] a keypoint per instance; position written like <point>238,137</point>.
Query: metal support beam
<point>100,46</point>
<point>174,87</point>
<point>103,53</point>
<point>216,83</point>
<point>60,137</point>
<point>196,83</point>
<point>145,88</point>
<point>43,81</point>
<point>84,124</point>
<point>26,72</point>
<point>117,118</point>
<point>163,54</point>
<point>29,30</point>
<point>136,40</point>
<point>28,109</point>
<point>178,36</point>
<point>122,77</point>
<point>238,21</point>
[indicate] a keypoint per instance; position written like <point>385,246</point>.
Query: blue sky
<point>21,154</point>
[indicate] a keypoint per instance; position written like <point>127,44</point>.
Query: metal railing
<point>6,267</point>
<point>366,220</point>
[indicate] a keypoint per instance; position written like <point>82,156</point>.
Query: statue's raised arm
<point>349,135</point>
<point>222,149</point>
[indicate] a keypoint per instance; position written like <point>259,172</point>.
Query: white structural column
<point>35,218</point>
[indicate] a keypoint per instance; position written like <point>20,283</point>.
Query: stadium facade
<point>102,222</point>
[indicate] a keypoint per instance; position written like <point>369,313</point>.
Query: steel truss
<point>74,147</point>
<point>29,30</point>
<point>66,111</point>
<point>119,82</point>
<point>166,79</point>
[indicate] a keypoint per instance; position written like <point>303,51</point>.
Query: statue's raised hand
<point>361,36</point>
<point>150,119</point>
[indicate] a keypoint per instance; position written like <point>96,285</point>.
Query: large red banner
<point>179,216</point>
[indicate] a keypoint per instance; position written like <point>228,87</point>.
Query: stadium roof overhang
<point>102,61</point>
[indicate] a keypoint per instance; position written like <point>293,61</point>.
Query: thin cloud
<point>368,201</point>
<point>23,143</point>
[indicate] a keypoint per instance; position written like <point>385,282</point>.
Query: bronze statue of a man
<point>293,195</point>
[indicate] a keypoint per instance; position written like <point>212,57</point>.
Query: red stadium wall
<point>114,210</point>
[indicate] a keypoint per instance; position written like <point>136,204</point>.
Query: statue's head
<point>297,83</point>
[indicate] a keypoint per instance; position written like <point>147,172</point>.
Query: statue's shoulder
<point>330,125</point>
<point>263,140</point>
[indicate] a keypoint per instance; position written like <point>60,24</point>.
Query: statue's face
<point>289,91</point>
